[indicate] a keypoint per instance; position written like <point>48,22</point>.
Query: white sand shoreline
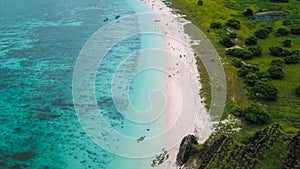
<point>201,127</point>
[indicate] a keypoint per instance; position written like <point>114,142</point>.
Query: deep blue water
<point>39,44</point>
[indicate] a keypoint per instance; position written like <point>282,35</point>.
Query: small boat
<point>105,20</point>
<point>117,16</point>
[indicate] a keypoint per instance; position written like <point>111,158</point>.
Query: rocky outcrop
<point>223,152</point>
<point>293,158</point>
<point>186,149</point>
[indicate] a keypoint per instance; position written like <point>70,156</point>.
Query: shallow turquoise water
<point>39,44</point>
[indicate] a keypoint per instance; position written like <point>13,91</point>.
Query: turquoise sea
<point>39,45</point>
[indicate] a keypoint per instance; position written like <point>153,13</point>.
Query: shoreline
<point>203,124</point>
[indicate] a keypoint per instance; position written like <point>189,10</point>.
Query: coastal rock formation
<point>223,152</point>
<point>186,149</point>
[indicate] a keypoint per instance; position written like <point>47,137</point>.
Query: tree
<point>255,113</point>
<point>287,43</point>
<point>295,31</point>
<point>226,42</point>
<point>282,32</point>
<point>256,51</point>
<point>251,41</point>
<point>248,12</point>
<point>262,33</point>
<point>279,0</point>
<point>277,62</point>
<point>236,110</point>
<point>287,22</point>
<point>240,53</point>
<point>264,90</point>
<point>279,52</point>
<point>276,73</point>
<point>237,63</point>
<point>293,59</point>
<point>200,2</point>
<point>234,23</point>
<point>245,69</point>
<point>263,76</point>
<point>251,79</point>
<point>233,35</point>
<point>216,25</point>
<point>297,91</point>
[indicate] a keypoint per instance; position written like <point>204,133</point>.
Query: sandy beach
<point>178,43</point>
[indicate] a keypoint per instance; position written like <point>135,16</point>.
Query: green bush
<point>255,113</point>
<point>251,41</point>
<point>256,51</point>
<point>251,79</point>
<point>240,53</point>
<point>233,35</point>
<point>216,25</point>
<point>295,31</point>
<point>200,2</point>
<point>279,0</point>
<point>226,42</point>
<point>245,69</point>
<point>263,76</point>
<point>277,62</point>
<point>287,22</point>
<point>276,73</point>
<point>237,63</point>
<point>248,12</point>
<point>279,52</point>
<point>297,91</point>
<point>282,32</point>
<point>264,90</point>
<point>234,23</point>
<point>293,59</point>
<point>287,43</point>
<point>262,33</point>
<point>236,110</point>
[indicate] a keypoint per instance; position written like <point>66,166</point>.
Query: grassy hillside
<point>285,109</point>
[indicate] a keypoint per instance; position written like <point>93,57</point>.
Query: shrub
<point>287,22</point>
<point>279,52</point>
<point>287,43</point>
<point>200,2</point>
<point>237,63</point>
<point>262,33</point>
<point>236,110</point>
<point>233,35</point>
<point>240,53</point>
<point>245,69</point>
<point>263,76</point>
<point>255,113</point>
<point>248,12</point>
<point>276,73</point>
<point>234,23</point>
<point>251,79</point>
<point>226,42</point>
<point>216,25</point>
<point>279,0</point>
<point>264,90</point>
<point>297,91</point>
<point>282,32</point>
<point>256,51</point>
<point>295,31</point>
<point>277,62</point>
<point>251,41</point>
<point>293,59</point>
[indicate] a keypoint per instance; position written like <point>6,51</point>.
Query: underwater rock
<point>22,156</point>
